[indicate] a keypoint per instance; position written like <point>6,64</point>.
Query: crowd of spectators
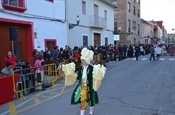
<point>108,52</point>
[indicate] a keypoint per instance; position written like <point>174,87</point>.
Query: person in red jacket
<point>76,57</point>
<point>11,59</point>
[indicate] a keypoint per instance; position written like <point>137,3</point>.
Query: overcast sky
<point>159,10</point>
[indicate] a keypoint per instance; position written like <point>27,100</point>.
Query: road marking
<point>42,101</point>
<point>128,58</point>
<point>171,59</point>
<point>143,58</point>
<point>36,99</point>
<point>133,58</point>
<point>44,96</point>
<point>53,92</point>
<point>6,112</point>
<point>12,108</point>
<point>162,59</point>
<point>35,104</point>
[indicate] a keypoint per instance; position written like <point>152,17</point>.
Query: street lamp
<point>73,25</point>
<point>119,28</point>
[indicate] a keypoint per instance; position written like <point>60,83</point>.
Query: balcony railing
<point>97,22</point>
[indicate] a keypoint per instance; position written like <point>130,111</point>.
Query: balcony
<point>97,22</point>
<point>14,5</point>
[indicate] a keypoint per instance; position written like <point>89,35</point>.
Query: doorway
<point>97,39</point>
<point>50,44</point>
<point>17,51</point>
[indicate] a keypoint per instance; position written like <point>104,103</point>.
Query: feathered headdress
<point>87,55</point>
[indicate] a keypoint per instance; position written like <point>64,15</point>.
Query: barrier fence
<point>33,79</point>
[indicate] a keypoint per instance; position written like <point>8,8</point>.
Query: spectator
<point>104,55</point>
<point>8,69</point>
<point>137,51</point>
<point>39,65</point>
<point>158,51</point>
<point>35,51</point>
<point>152,53</point>
<point>10,59</point>
<point>47,54</point>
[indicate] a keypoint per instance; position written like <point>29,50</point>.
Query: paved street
<point>130,87</point>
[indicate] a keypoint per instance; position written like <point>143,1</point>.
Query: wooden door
<point>97,39</point>
<point>50,43</point>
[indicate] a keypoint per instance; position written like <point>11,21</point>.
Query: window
<point>85,41</point>
<point>106,40</point>
<point>105,14</point>
<point>138,1</point>
<point>134,10</point>
<point>138,29</point>
<point>15,5</point>
<point>134,25</point>
<point>138,13</point>
<point>129,25</point>
<point>84,7</point>
<point>115,26</point>
<point>129,7</point>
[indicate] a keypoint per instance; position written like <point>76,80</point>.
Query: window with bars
<point>105,14</point>
<point>84,7</point>
<point>138,29</point>
<point>19,3</point>
<point>134,25</point>
<point>134,10</point>
<point>106,40</point>
<point>129,7</point>
<point>138,13</point>
<point>129,25</point>
<point>85,41</point>
<point>138,1</point>
<point>15,5</point>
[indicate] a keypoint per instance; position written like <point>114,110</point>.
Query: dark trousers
<point>137,56</point>
<point>152,57</point>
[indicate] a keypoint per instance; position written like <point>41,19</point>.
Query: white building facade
<point>96,24</point>
<point>47,18</point>
<point>147,31</point>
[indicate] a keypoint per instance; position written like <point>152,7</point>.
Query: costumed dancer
<point>90,78</point>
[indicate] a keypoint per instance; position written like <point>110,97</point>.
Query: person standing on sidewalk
<point>158,50</point>
<point>137,52</point>
<point>152,53</point>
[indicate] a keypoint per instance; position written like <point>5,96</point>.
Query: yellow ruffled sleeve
<point>98,75</point>
<point>70,75</point>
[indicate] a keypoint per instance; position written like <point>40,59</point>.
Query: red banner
<point>6,88</point>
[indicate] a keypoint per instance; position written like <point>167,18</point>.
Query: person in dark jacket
<point>137,52</point>
<point>104,55</point>
<point>152,53</point>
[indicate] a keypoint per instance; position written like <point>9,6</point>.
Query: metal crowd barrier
<point>31,79</point>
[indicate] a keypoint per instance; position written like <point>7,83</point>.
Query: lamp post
<point>73,25</point>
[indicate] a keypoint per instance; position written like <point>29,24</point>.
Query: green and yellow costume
<point>92,96</point>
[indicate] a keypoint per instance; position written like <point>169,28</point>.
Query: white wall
<point>41,13</point>
<point>74,8</point>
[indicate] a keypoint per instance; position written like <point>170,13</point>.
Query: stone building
<point>127,21</point>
